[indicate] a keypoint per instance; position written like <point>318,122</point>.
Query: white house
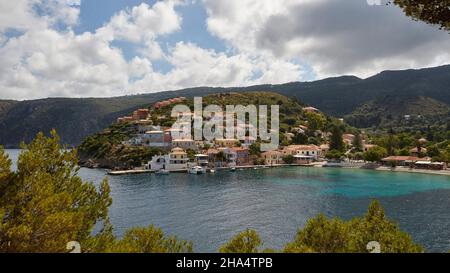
<point>176,160</point>
<point>156,138</point>
<point>312,151</point>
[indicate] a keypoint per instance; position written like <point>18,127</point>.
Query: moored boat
<point>197,170</point>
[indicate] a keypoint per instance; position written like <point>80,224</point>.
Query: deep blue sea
<point>210,209</point>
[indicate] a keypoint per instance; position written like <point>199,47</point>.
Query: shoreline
<point>315,165</point>
<point>258,167</point>
<point>409,170</point>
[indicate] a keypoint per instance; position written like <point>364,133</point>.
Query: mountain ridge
<point>76,118</point>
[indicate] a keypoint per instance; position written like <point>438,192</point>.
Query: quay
<point>125,172</point>
<point>144,171</point>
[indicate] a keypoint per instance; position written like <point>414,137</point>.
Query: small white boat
<point>212,171</point>
<point>233,169</point>
<point>162,172</point>
<point>197,170</point>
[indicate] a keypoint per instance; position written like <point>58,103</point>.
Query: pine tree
<point>45,205</point>
<point>322,235</point>
<point>357,143</point>
<point>245,242</point>
<point>336,141</point>
<point>48,205</point>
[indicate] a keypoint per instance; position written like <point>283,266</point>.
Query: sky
<point>102,48</point>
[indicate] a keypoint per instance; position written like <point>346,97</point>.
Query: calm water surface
<point>210,209</point>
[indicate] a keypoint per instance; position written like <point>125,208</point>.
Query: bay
<point>209,209</point>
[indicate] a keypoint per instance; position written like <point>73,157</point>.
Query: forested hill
<point>348,96</point>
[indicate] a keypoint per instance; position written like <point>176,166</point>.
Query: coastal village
<point>183,154</point>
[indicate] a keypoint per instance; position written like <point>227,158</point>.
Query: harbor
<point>212,170</point>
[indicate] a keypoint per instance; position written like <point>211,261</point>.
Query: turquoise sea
<point>210,209</point>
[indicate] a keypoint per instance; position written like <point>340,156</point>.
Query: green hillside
<point>398,112</point>
<point>76,119</point>
<point>105,148</point>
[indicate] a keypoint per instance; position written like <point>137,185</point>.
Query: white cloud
<point>45,61</point>
<point>142,23</point>
<point>58,63</point>
<point>47,58</point>
<point>238,22</point>
<point>22,15</point>
<point>195,66</point>
<point>48,62</point>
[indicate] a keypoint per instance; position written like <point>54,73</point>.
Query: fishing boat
<point>197,170</point>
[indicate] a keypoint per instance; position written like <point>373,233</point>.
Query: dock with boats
<point>210,170</point>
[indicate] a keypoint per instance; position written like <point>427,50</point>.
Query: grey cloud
<point>341,36</point>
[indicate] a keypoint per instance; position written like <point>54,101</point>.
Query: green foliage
<point>334,154</point>
<point>5,171</point>
<point>245,242</point>
<point>149,240</point>
<point>336,142</point>
<point>191,154</point>
<point>389,111</point>
<point>396,143</point>
<point>433,151</point>
<point>357,156</point>
<point>255,149</point>
<point>435,12</point>
<point>288,159</point>
<point>99,145</point>
<point>321,235</point>
<point>357,143</point>
<point>376,227</point>
<point>375,154</point>
<point>47,204</point>
<point>315,121</point>
<point>300,139</point>
<point>106,147</point>
<point>403,152</point>
<point>444,156</point>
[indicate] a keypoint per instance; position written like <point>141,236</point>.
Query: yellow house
<point>273,157</point>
